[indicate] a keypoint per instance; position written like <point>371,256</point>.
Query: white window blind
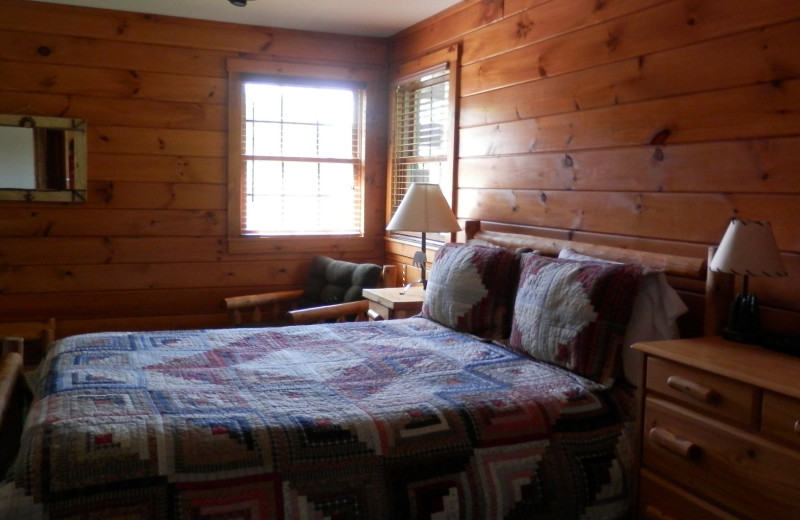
<point>421,127</point>
<point>302,157</point>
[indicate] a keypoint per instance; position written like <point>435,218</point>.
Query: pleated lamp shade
<point>748,248</point>
<point>424,209</point>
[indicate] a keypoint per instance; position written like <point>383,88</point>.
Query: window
<point>422,149</point>
<point>296,151</point>
<point>422,113</point>
<point>302,158</point>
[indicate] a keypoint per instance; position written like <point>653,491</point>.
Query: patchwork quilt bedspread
<point>395,419</point>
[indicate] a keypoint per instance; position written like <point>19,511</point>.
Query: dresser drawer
<point>704,391</point>
<point>781,418</point>
<point>660,500</point>
<point>753,477</point>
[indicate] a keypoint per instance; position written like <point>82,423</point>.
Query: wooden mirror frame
<point>75,152</point>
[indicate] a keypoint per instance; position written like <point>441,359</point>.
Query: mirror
<point>42,158</point>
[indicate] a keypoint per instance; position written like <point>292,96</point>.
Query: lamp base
<point>738,336</point>
<point>408,286</point>
<point>744,322</point>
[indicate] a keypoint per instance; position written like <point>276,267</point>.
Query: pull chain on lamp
<point>423,209</point>
<point>747,249</point>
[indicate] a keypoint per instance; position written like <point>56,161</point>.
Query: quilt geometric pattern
<point>378,420</point>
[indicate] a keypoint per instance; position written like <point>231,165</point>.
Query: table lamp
<point>423,209</point>
<point>747,249</point>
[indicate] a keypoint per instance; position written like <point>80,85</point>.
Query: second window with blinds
<point>423,125</point>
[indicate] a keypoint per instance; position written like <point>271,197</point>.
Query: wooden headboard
<point>718,287</point>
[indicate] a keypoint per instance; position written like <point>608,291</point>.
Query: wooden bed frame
<point>718,289</point>
<point>13,397</point>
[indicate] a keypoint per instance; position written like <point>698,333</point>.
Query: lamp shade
<point>748,248</point>
<point>424,209</point>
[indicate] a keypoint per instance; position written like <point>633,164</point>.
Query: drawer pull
<point>669,441</point>
<point>692,389</point>
<point>797,427</point>
<point>654,513</point>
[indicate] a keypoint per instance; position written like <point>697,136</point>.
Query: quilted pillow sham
<point>471,289</point>
<point>656,310</point>
<point>574,314</point>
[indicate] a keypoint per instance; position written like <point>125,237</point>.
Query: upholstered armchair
<point>332,293</point>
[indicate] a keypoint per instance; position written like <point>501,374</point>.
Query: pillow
<point>655,312</point>
<point>574,314</point>
<point>471,289</point>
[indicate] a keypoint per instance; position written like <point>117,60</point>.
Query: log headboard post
<point>471,228</point>
<point>719,287</point>
<point>719,294</point>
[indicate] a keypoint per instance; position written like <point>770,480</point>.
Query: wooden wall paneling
<point>188,33</point>
<point>27,250</point>
<point>157,168</point>
<point>60,222</point>
<point>641,214</point>
<point>156,141</point>
<point>739,113</point>
<point>116,83</point>
<point>763,55</point>
<point>784,320</point>
<point>17,102</point>
<point>669,25</point>
<point>65,222</point>
<point>513,6</point>
<point>162,195</point>
<point>142,276</point>
<point>754,166</point>
<point>50,250</point>
<point>85,305</point>
<point>626,122</point>
<point>444,29</point>
<point>152,235</point>
<point>81,51</point>
<point>780,292</point>
<point>543,21</point>
<point>375,162</point>
<point>154,114</point>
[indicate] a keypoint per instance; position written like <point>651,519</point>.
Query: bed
<point>469,410</point>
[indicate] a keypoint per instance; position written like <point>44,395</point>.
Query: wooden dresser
<point>720,432</point>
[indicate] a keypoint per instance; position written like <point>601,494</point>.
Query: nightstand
<point>720,431</point>
<point>390,304</point>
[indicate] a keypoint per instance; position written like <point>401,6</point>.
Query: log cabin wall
<point>640,123</point>
<point>148,249</point>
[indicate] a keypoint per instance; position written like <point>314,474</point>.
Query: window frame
<point>409,71</point>
<point>239,71</point>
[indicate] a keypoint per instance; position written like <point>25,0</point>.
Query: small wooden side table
<point>391,304</point>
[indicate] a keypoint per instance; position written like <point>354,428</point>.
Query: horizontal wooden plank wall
<point>641,123</point>
<point>148,250</point>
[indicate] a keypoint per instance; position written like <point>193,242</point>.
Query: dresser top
<point>750,364</point>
